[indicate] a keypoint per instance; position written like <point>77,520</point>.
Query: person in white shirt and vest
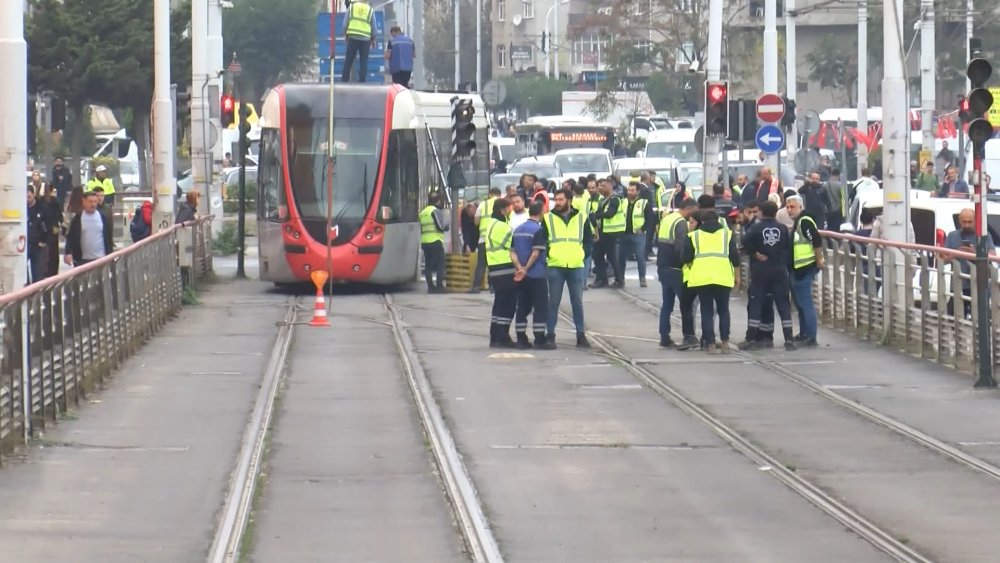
<point>359,32</point>
<point>433,226</point>
<point>714,260</point>
<point>633,240</point>
<point>499,241</point>
<point>807,260</point>
<point>528,254</point>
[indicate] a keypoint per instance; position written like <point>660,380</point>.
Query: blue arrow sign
<point>769,139</point>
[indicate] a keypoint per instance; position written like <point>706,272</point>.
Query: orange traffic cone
<point>319,313</point>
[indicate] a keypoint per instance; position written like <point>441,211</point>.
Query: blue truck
<point>376,58</point>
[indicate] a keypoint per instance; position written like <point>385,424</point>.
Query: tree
<point>275,40</point>
<point>439,41</point>
<point>534,95</point>
<point>834,67</point>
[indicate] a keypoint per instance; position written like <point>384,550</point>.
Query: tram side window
<point>270,183</point>
<point>401,189</point>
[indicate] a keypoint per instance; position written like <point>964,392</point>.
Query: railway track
<point>857,523</point>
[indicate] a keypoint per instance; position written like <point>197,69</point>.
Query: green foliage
<point>668,95</point>
<point>834,66</point>
<point>274,40</point>
<point>112,165</point>
<point>231,203</point>
<point>534,95</point>
<point>227,243</point>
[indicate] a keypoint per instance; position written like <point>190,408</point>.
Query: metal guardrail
<point>911,297</point>
<point>62,336</point>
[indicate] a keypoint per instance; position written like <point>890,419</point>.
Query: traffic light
<point>183,104</point>
<point>789,118</point>
<point>980,100</point>
<point>245,113</point>
<point>463,130</point>
<point>228,105</point>
<point>716,109</point>
<point>964,115</point>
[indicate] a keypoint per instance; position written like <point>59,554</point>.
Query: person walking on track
<point>711,252</point>
<point>528,255</point>
<point>501,267</point>
<point>565,230</point>
<point>432,229</point>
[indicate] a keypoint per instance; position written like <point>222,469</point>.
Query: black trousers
<point>37,263</point>
<point>434,264</point>
<point>688,295</point>
<point>714,299</point>
<point>532,299</point>
<point>767,291</point>
<point>504,307</point>
<point>477,277</point>
<point>402,77</point>
<point>651,228</point>
<point>54,255</point>
<point>356,48</point>
<point>605,253</point>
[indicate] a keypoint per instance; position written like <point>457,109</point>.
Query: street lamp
<point>548,35</point>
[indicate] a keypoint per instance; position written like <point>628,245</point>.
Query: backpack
<point>138,228</point>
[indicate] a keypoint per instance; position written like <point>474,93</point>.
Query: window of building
<point>588,48</point>
<point>686,6</point>
<point>528,8</point>
<point>685,55</point>
<point>802,86</point>
<point>501,56</point>
<point>501,10</point>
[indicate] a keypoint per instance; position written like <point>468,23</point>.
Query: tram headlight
<point>356,267</point>
<point>378,230</point>
<point>296,235</point>
<point>369,236</point>
<point>307,267</point>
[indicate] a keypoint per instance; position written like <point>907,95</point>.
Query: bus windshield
<point>357,144</point>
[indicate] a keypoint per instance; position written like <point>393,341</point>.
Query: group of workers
<point>591,221</point>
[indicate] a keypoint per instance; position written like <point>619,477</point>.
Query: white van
<point>672,143</point>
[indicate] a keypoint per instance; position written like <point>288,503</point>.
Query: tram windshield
<point>357,144</point>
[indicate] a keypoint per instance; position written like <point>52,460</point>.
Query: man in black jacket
<point>89,235</point>
<point>37,236</point>
<point>768,245</point>
<point>62,179</point>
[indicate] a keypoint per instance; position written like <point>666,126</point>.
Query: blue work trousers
<point>802,292</point>
<point>633,243</point>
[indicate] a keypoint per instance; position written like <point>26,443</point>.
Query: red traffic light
<point>963,104</point>
<point>227,103</point>
<point>717,93</point>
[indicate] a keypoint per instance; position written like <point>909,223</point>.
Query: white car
<point>665,168</point>
<point>673,143</point>
<point>574,163</point>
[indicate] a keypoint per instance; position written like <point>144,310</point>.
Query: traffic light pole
<point>983,270</point>
<point>241,214</point>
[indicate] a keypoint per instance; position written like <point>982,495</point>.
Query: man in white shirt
<point>520,215</point>
<point>89,234</point>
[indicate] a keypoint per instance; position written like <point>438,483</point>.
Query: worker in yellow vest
<point>593,202</point>
<point>633,240</point>
<point>499,240</point>
<point>610,216</point>
<point>358,32</point>
<point>714,259</point>
<point>484,214</point>
<point>101,180</point>
<point>433,225</point>
<point>807,260</point>
<point>671,240</point>
<point>566,230</point>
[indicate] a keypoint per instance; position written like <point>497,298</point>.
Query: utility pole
<point>479,45</point>
<point>201,159</point>
<point>896,126</point>
<point>862,82</point>
<point>553,37</point>
<point>13,147</point>
<point>969,14</point>
<point>770,66</point>
<point>163,119</point>
<point>458,36</point>
<point>927,74</point>
<point>419,79</point>
<point>791,81</point>
<point>713,72</point>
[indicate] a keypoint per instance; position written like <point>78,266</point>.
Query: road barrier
<point>61,337</point>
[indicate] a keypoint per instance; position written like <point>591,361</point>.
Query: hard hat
<point>102,168</point>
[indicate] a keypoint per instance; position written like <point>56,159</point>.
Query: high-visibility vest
<point>582,203</point>
<point>663,197</point>
<point>544,197</point>
<point>485,216</point>
<point>358,19</point>
<point>711,265</point>
<point>428,230</point>
<point>616,224</point>
<point>106,184</point>
<point>565,241</point>
<point>803,253</point>
<point>667,228</point>
<point>736,190</point>
<point>638,214</point>
<point>498,240</point>
<point>594,203</point>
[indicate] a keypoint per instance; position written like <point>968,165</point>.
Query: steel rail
<point>864,528</point>
<point>938,446</point>
<point>243,483</point>
<point>458,484</point>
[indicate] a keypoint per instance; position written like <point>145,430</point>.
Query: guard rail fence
<point>62,336</point>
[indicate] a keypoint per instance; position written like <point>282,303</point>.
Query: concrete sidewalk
<point>140,473</point>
